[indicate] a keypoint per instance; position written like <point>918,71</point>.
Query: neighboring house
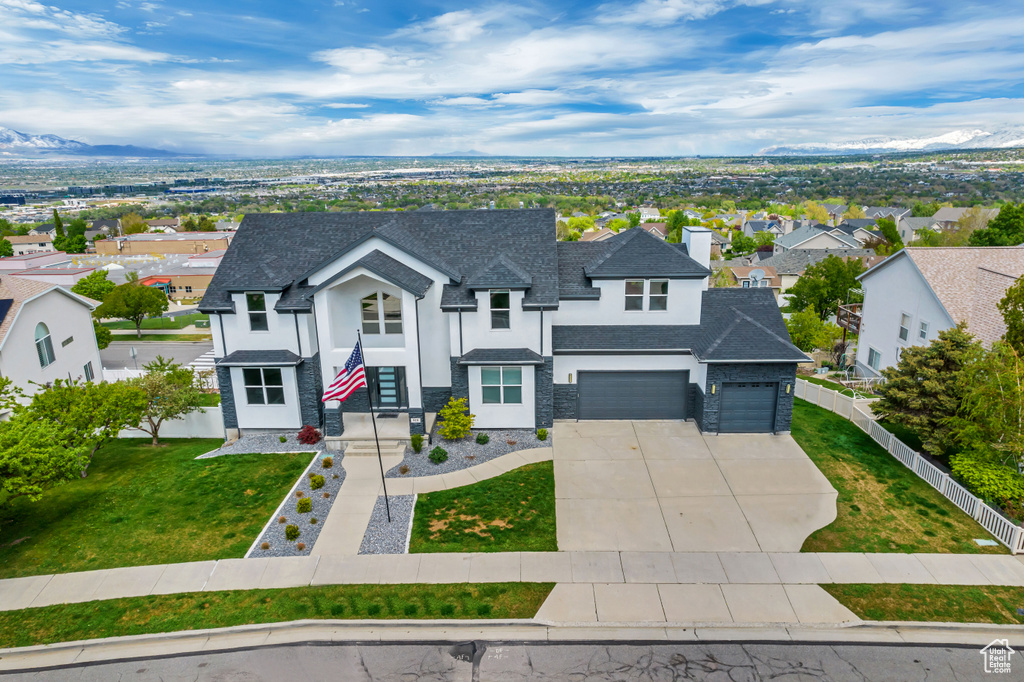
<point>648,213</point>
<point>893,213</point>
<point>46,333</point>
<point>24,244</point>
<point>861,229</point>
<point>718,242</point>
<point>659,230</point>
<point>47,229</point>
<point>947,217</point>
<point>757,277</point>
<point>148,243</point>
<point>231,226</point>
<point>917,292</point>
<point>815,237</point>
<point>909,226</point>
<point>488,306</point>
<point>752,227</point>
<point>598,235</point>
<point>164,224</point>
<point>835,212</point>
<point>790,265</point>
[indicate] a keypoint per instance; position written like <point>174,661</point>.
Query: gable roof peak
<point>500,273</point>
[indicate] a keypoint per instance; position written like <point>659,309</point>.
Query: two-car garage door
<point>633,395</point>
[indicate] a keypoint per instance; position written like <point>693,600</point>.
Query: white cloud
<point>346,105</point>
<point>659,12</point>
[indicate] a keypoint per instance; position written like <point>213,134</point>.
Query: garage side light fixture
<point>570,377</point>
<point>788,388</point>
<point>712,389</point>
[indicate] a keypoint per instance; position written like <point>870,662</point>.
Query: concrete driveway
<point>660,486</point>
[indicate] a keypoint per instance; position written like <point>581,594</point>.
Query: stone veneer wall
<point>334,422</point>
<point>227,398</point>
<point>564,401</point>
<point>543,378</point>
<point>460,380</point>
<point>784,373</point>
<point>435,397</point>
<point>311,391</point>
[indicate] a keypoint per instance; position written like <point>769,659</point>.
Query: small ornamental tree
<point>95,286</point>
<point>171,393</point>
<point>85,415</point>
<point>456,420</point>
<point>33,457</point>
<point>132,301</point>
<point>808,332</point>
<point>924,391</point>
<point>103,335</point>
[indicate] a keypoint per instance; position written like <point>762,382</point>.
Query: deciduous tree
<point>132,223</point>
<point>132,301</point>
<point>808,332</point>
<point>170,391</point>
<point>6,248</point>
<point>95,285</point>
<point>1006,229</point>
<point>825,285</point>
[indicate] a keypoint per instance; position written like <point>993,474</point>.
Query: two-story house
<point>487,305</point>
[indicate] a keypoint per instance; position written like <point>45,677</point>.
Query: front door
<point>387,388</point>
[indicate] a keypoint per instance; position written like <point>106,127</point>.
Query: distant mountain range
<point>15,143</point>
<point>462,155</point>
<point>957,139</point>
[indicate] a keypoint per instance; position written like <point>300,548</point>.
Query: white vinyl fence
<point>208,422</point>
<point>858,411</point>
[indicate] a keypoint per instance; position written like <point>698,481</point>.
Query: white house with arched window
<point>46,333</point>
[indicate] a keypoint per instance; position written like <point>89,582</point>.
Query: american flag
<point>351,377</point>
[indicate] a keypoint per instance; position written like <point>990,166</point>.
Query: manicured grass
<point>177,322</point>
<point>514,512</point>
<point>144,505</point>
<point>882,505</point>
<point>932,603</point>
<point>209,399</point>
<point>202,610</point>
<point>162,337</point>
<point>834,386</point>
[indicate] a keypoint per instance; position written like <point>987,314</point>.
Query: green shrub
<point>542,434</point>
<point>327,462</point>
<point>989,479</point>
<point>304,505</point>
<point>316,481</point>
<point>283,439</point>
<point>416,441</point>
<point>456,420</point>
<point>438,455</point>
<point>291,531</point>
<point>482,438</point>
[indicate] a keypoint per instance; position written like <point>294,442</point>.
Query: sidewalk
<point>589,568</point>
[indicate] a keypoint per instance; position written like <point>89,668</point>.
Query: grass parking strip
<point>882,505</point>
<point>932,603</point>
<point>514,512</point>
<point>144,505</point>
<point>202,610</point>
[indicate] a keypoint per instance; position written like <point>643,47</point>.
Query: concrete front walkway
<point>661,486</point>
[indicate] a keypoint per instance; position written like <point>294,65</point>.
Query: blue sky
<point>654,77</point>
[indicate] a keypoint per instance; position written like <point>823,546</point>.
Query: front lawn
<point>144,505</point>
<point>514,512</point>
<point>882,505</point>
<point>202,610</point>
<point>932,603</point>
<point>834,386</point>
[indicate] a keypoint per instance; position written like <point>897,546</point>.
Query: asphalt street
<point>117,355</point>
<point>501,662</point>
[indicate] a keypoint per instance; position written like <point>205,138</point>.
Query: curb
<point>368,632</point>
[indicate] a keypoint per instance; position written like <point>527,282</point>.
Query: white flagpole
<point>369,398</point>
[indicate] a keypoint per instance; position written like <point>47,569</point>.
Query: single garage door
<point>748,407</point>
<point>633,395</point>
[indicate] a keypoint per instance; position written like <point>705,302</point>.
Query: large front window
<point>44,346</point>
<point>256,304</point>
<point>502,385</point>
<point>263,386</point>
<point>500,310</point>
<point>382,311</point>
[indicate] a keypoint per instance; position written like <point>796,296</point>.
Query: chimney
<point>698,243</point>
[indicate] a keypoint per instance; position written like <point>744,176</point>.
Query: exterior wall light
<point>788,388</point>
<point>712,389</point>
<point>570,377</point>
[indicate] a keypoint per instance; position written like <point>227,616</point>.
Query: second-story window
<point>634,294</point>
<point>904,327</point>
<point>382,311</point>
<point>44,346</point>
<point>256,304</point>
<point>500,310</point>
<point>658,295</point>
<point>923,332</point>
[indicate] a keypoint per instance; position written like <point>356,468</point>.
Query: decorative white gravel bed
<point>274,533</point>
<point>265,442</point>
<point>466,452</point>
<point>389,538</point>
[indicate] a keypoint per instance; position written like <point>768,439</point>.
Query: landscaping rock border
<point>460,451</point>
<point>280,546</point>
<point>382,537</point>
<point>265,442</point>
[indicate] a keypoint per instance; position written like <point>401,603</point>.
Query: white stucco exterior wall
<point>523,332</point>
<point>267,416</point>
<point>499,416</point>
<point>564,365</point>
<point>66,318</point>
<point>890,291</point>
<point>684,297</point>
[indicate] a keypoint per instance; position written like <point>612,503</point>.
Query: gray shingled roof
<point>737,325</point>
<point>501,356</point>
<point>635,253</point>
<point>249,358</point>
<point>572,258</point>
<point>386,267</point>
<point>795,261</point>
<point>276,251</point>
<point>500,273</point>
<point>799,236</point>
